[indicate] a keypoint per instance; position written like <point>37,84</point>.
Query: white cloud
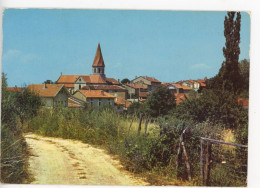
<point>200,66</point>
<point>11,54</point>
<point>19,56</point>
<point>29,58</point>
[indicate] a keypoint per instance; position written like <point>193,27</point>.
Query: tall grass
<point>153,154</point>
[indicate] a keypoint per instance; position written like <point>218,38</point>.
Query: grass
<point>152,155</point>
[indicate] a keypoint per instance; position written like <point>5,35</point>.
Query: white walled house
<point>52,95</point>
<point>95,98</point>
<point>148,82</point>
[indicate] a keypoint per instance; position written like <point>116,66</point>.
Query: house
<point>15,89</point>
<point>186,89</point>
<point>180,97</point>
<point>95,98</point>
<point>148,82</point>
<point>143,96</point>
<point>114,90</point>
<point>188,83</point>
<point>89,80</point>
<point>68,81</point>
<point>112,81</point>
<point>134,89</point>
<point>75,103</point>
<point>121,104</point>
<point>52,95</point>
<point>193,84</point>
<point>175,88</point>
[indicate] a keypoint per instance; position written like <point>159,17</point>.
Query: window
<point>79,86</point>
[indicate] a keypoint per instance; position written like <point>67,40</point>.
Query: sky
<point>40,44</point>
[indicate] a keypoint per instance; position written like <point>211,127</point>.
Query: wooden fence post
<point>146,124</point>
<point>207,165</point>
<point>202,161</point>
<point>130,126</point>
<point>140,125</point>
<point>186,161</point>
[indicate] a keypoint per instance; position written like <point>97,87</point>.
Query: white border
<point>251,6</point>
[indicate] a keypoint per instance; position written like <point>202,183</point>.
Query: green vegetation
<point>125,81</point>
<point>15,109</point>
<point>147,138</point>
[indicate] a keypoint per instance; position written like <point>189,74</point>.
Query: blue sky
<point>39,44</point>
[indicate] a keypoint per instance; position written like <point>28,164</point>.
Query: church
<point>96,81</point>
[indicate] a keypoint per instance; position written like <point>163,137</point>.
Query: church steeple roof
<point>98,61</point>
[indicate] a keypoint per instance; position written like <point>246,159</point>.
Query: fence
<point>221,163</point>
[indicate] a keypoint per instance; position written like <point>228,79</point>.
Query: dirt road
<point>64,161</point>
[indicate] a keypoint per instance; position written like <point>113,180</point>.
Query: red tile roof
<point>67,79</point>
<point>98,61</point>
<point>113,81</point>
<point>202,84</point>
<point>151,79</point>
<point>51,90</point>
<point>121,101</point>
<point>165,84</point>
<point>14,89</point>
<point>93,79</point>
<point>180,97</point>
<point>108,87</point>
<point>144,94</point>
<point>69,85</point>
<point>185,87</point>
<point>178,85</point>
<point>136,86</point>
<point>96,94</point>
<point>142,100</point>
<point>244,102</point>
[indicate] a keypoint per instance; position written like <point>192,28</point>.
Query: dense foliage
<point>160,101</point>
<point>15,107</point>
<point>125,81</point>
<point>229,77</point>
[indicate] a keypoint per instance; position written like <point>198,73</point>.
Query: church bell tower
<point>98,66</point>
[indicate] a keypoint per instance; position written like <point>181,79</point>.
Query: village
<point>106,119</point>
<point>97,90</point>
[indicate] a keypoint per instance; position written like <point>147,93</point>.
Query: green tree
<point>27,104</point>
<point>218,106</point>
<point>229,76</point>
<point>160,101</point>
<point>244,67</point>
<point>7,103</point>
<point>125,81</point>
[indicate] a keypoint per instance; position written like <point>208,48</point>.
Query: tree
<point>7,103</point>
<point>48,82</point>
<point>27,104</point>
<point>160,101</point>
<point>244,67</point>
<point>125,81</point>
<point>229,77</point>
<point>217,106</point>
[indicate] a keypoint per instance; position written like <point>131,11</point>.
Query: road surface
<point>64,161</point>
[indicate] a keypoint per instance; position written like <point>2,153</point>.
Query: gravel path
<point>64,161</point>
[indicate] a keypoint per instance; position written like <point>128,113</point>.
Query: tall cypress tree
<point>229,72</point>
<point>229,77</point>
